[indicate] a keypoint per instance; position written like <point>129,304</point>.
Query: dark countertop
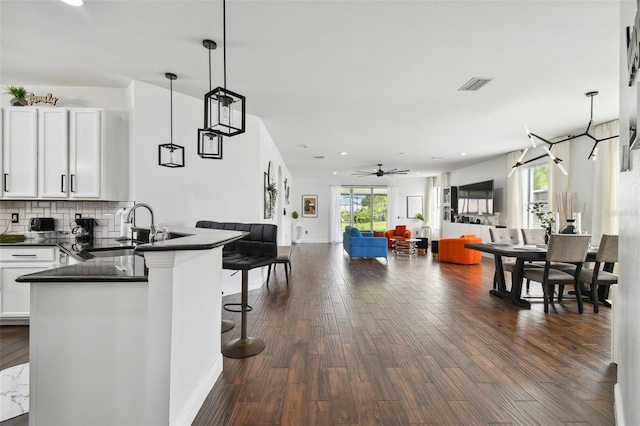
<point>127,267</point>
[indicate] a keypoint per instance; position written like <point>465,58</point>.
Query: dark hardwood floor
<point>414,341</point>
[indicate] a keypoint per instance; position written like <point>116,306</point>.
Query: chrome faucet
<point>130,219</point>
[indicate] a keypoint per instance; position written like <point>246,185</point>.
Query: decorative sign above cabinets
<point>48,99</point>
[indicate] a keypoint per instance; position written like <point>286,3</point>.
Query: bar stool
<point>258,248</point>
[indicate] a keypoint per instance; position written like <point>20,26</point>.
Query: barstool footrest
<point>243,308</point>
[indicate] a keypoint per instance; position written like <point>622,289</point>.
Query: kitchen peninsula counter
<point>138,347</point>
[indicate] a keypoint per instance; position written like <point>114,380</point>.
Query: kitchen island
<point>131,338</point>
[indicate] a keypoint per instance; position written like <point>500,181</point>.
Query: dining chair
<point>504,236</point>
<point>607,253</point>
<point>533,236</point>
<point>566,248</point>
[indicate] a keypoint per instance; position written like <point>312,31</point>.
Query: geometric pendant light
<point>224,110</point>
<point>169,154</point>
<point>209,141</point>
<point>549,144</point>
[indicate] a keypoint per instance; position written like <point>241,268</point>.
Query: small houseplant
<point>273,194</point>
<point>19,94</point>
<point>294,215</point>
<point>420,217</point>
<point>545,217</point>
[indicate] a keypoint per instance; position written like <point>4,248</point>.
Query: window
<point>536,181</point>
<point>364,208</point>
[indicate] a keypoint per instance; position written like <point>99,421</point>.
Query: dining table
<point>523,253</point>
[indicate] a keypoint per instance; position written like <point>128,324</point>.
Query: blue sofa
<point>363,244</point>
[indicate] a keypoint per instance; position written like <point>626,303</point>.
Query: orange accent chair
<point>452,250</point>
<point>399,233</point>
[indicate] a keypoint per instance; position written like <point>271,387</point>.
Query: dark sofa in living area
<point>363,244</point>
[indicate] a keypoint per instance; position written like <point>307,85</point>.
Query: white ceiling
<point>372,78</point>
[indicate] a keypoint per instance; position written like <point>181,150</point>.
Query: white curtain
<point>515,193</point>
<point>605,182</point>
<point>431,212</point>
<point>392,207</point>
<point>335,232</point>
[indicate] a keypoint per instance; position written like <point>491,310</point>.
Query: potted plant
<point>420,217</point>
<point>545,217</point>
<point>19,94</point>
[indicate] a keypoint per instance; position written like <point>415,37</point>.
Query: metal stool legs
<point>244,346</point>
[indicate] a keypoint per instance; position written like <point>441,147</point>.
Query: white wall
<point>626,313</point>
<point>317,229</point>
<point>227,190</point>
<point>494,169</point>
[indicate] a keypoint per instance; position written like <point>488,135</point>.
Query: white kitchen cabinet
<point>53,153</point>
<point>85,152</point>
<point>63,153</point>
<point>20,153</point>
<point>16,261</point>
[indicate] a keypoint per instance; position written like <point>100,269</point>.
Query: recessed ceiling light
<point>463,153</point>
<point>318,156</point>
<point>343,153</point>
<point>74,2</point>
<point>335,173</point>
<point>436,158</point>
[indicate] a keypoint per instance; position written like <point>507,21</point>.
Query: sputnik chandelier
<point>549,144</point>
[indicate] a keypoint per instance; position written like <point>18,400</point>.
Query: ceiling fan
<point>381,172</point>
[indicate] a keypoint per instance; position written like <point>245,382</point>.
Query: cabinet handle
<point>24,255</point>
<point>61,183</point>
<point>5,179</point>
<point>72,183</point>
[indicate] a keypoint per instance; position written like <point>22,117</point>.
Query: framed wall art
<point>309,206</point>
<point>414,206</point>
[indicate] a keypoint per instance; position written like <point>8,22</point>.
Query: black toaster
<point>41,224</point>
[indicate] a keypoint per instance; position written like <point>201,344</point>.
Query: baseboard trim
<point>198,396</point>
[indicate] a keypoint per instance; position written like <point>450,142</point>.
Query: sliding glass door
<point>364,207</point>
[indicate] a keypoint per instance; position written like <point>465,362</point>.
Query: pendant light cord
<point>209,69</point>
<point>224,41</point>
<point>171,109</point>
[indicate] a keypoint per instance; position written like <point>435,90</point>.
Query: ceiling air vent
<point>476,83</point>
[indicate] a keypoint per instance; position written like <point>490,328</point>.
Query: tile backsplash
<point>64,213</point>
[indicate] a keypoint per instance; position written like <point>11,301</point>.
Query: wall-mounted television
<point>476,199</point>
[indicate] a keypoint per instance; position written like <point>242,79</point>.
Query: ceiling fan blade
<point>398,172</point>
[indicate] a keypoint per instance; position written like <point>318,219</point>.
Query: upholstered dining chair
<point>607,253</point>
<point>568,248</point>
<point>505,236</point>
<point>533,236</point>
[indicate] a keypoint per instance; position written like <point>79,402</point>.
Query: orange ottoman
<point>452,250</point>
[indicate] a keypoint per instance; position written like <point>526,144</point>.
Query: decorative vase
<point>18,102</point>
<point>570,228</point>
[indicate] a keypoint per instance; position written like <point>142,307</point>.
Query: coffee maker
<point>84,230</point>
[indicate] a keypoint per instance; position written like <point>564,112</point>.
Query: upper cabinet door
<point>53,153</point>
<point>84,152</point>
<point>20,151</point>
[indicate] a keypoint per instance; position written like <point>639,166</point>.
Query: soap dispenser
<point>125,228</point>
